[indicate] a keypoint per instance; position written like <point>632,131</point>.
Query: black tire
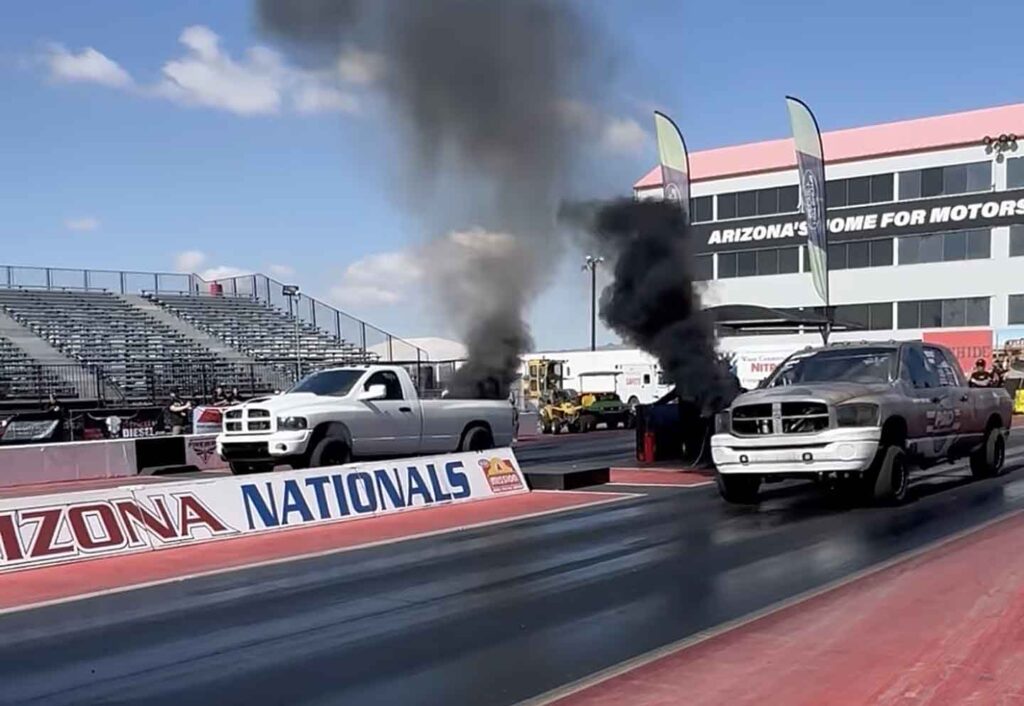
<point>587,423</point>
<point>739,489</point>
<point>633,402</point>
<point>887,480</point>
<point>545,428</point>
<point>243,468</point>
<point>477,439</point>
<point>330,451</point>
<point>988,460</point>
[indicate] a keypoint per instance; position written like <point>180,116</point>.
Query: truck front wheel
<point>330,451</point>
<point>887,480</point>
<point>740,489</point>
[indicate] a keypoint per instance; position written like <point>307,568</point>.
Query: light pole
<point>292,292</point>
<point>591,264</point>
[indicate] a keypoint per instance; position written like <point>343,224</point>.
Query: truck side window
<point>917,369</point>
<point>945,372</point>
<point>647,378</point>
<point>390,382</point>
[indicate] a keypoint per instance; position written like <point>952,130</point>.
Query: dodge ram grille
<point>765,419</point>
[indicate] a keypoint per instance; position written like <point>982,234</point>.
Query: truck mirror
<point>373,392</point>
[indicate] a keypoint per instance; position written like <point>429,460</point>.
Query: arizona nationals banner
<point>675,163</point>
<point>810,162</point>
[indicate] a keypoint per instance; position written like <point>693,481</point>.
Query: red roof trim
<point>922,134</point>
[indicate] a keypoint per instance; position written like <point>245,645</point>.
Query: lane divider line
<point>629,665</point>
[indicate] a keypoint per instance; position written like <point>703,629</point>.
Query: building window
<point>857,191</point>
<point>1015,313</point>
<point>946,181</point>
<point>760,202</point>
<point>703,267</point>
<point>1015,173</point>
<point>701,209</point>
<point>946,247</point>
<point>857,254</point>
<point>752,263</point>
<point>943,313</point>
<point>1016,241</point>
<point>872,317</point>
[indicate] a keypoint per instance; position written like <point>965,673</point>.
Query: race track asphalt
<point>492,615</point>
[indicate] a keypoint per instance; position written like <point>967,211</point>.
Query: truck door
<point>956,416</point>
<point>394,428</point>
<point>921,382</point>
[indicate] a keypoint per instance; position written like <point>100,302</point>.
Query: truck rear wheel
<point>330,451</point>
<point>988,460</point>
<point>476,439</point>
<point>887,480</point>
<point>740,489</point>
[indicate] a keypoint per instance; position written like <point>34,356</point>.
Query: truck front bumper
<point>262,447</point>
<point>849,449</point>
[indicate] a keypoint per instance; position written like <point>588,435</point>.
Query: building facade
<point>926,230</point>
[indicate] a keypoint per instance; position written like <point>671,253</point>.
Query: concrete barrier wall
<point>43,530</point>
<point>115,458</point>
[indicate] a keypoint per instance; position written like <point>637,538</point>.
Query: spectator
<point>998,373</point>
<point>177,413</point>
<point>234,397</point>
<point>980,377</point>
<point>53,406</point>
<point>219,397</point>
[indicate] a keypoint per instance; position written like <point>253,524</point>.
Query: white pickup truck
<point>372,411</point>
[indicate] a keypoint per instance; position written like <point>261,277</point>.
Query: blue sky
<point>108,164</point>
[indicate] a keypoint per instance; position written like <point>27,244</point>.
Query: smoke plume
<point>474,88</point>
<point>652,301</point>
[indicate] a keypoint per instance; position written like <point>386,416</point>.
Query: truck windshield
<point>336,383</point>
<point>865,365</point>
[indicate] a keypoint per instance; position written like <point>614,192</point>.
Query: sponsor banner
<point>751,367</point>
<point>124,423</point>
<point>810,162</point>
<point>967,346</point>
<point>988,209</point>
<point>207,420</point>
<point>201,452</point>
<point>675,164</point>
<point>43,530</point>
<point>75,460</point>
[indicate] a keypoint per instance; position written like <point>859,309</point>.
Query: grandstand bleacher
<point>113,345</point>
<point>259,330</point>
<point>23,379</point>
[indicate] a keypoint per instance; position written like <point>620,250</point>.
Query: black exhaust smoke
<point>477,89</point>
<point>653,302</point>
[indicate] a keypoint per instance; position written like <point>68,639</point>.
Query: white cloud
<point>380,279</point>
<point>87,66</point>
<point>624,136</point>
<point>281,270</point>
<point>359,67</point>
<point>189,260</point>
<point>259,82</point>
<point>206,76</point>
<point>223,272</point>
<point>612,134</point>
<point>84,223</point>
<point>316,98</point>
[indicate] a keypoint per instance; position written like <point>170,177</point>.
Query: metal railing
<point>329,320</point>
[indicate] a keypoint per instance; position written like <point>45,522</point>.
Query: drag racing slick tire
<point>476,438</point>
<point>241,468</point>
<point>888,478</point>
<point>739,488</point>
<point>330,451</point>
<point>988,460</point>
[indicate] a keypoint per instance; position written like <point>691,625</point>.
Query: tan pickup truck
<point>859,416</point>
